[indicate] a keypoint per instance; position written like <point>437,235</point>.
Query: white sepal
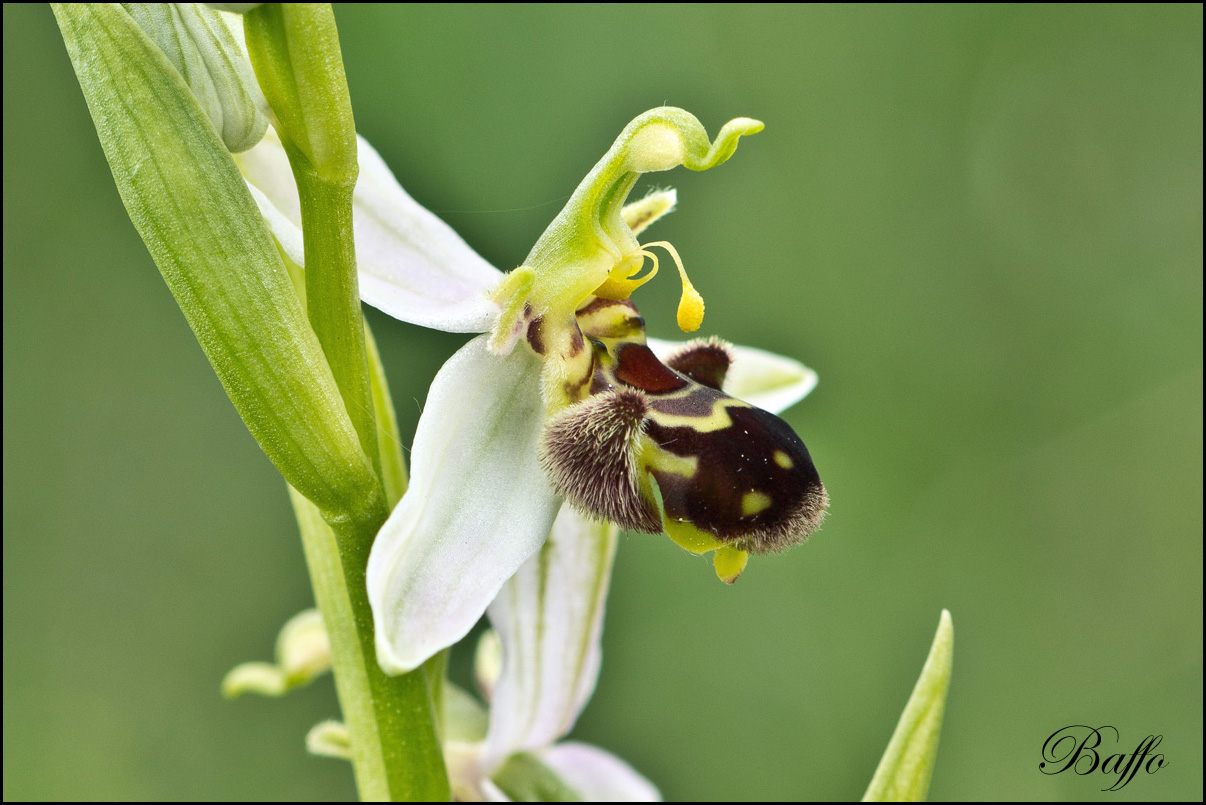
<point>477,507</point>
<point>411,264</point>
<point>549,620</point>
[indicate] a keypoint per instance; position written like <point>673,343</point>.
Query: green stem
<point>333,292</point>
<point>395,748</point>
<point>395,751</point>
<point>294,49</point>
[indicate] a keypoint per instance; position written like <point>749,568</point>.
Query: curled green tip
<point>303,649</point>
<point>589,238</point>
<point>665,137</point>
<point>905,770</point>
<point>725,143</point>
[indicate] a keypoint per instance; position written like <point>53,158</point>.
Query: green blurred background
<point>980,224</point>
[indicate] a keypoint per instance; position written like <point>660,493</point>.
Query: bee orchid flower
<point>561,397</point>
<point>539,665</point>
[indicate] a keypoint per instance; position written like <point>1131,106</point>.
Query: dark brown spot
<point>705,362</point>
<point>536,335</point>
<point>608,318</point>
<point>599,383</point>
<point>576,342</point>
<point>573,388</point>
<point>637,366</point>
<point>599,304</point>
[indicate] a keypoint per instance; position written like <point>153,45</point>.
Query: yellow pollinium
<point>690,308</point>
<point>623,280</point>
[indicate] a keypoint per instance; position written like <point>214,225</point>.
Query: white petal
<point>771,382</point>
<point>597,775</point>
<point>267,167</point>
<point>549,619</point>
<point>412,265</point>
<point>478,506</point>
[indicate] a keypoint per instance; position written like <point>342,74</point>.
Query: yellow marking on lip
<point>656,458</point>
<point>689,537</point>
<point>754,502</point>
<point>719,419</point>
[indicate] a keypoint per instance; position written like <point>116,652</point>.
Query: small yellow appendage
<point>729,562</point>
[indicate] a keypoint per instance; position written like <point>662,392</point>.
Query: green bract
<point>189,203</point>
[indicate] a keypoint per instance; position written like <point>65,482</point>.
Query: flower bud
<point>330,739</point>
<point>198,43</point>
<point>303,652</point>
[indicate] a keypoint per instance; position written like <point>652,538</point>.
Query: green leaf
<point>191,206</point>
<point>904,771</point>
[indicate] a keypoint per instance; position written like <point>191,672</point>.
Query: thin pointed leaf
<point>904,771</point>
